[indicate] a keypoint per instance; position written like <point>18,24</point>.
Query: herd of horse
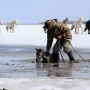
<point>76,25</point>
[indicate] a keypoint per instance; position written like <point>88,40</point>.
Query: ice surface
<point>34,35</point>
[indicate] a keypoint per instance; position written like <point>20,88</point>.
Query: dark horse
<point>87,26</point>
<point>40,54</point>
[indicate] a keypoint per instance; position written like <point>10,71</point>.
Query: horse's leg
<point>13,30</point>
<point>88,31</point>
<point>75,30</point>
<point>78,31</point>
<point>85,29</point>
<point>82,30</point>
<point>7,28</point>
<point>10,30</point>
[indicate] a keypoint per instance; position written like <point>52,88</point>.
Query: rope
<point>60,52</point>
<point>76,51</point>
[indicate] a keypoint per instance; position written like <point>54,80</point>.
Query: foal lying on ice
<point>40,54</point>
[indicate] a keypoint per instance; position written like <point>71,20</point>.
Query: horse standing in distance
<point>77,24</point>
<point>66,21</point>
<point>1,22</point>
<point>11,25</point>
<point>87,26</point>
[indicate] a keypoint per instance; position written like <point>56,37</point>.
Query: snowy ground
<point>34,35</point>
<point>46,83</point>
<point>27,36</point>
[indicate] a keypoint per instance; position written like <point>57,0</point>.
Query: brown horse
<point>87,26</point>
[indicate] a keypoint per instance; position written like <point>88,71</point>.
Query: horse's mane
<point>64,21</point>
<point>14,21</point>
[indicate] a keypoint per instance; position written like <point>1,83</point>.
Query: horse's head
<point>15,22</point>
<point>67,21</point>
<point>81,19</point>
<point>39,54</point>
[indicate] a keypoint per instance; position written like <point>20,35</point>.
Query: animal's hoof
<point>45,61</point>
<point>37,60</point>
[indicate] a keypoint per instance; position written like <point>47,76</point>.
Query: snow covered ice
<point>34,35</point>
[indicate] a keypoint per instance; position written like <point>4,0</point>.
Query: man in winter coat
<point>63,35</point>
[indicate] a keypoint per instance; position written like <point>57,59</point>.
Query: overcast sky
<point>36,11</point>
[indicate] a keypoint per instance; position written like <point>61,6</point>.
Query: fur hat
<point>49,23</point>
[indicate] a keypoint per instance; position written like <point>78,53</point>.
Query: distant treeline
<point>70,22</point>
<point>38,23</point>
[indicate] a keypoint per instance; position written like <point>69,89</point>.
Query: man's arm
<point>49,41</point>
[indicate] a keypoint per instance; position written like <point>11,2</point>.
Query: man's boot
<point>70,55</point>
<point>55,57</point>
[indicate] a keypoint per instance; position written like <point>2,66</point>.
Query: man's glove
<point>60,36</point>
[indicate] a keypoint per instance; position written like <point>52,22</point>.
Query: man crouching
<point>63,35</point>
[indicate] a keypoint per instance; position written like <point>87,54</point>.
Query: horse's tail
<point>7,28</point>
<point>72,27</point>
